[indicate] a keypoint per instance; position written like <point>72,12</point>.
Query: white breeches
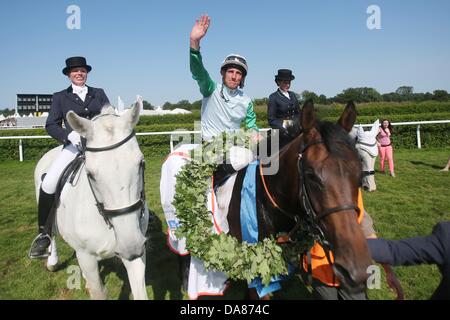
<point>67,154</point>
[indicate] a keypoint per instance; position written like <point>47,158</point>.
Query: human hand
<point>74,138</point>
<point>199,31</point>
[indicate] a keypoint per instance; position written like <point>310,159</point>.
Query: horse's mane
<point>336,139</point>
<point>108,109</point>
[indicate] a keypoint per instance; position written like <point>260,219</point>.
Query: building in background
<point>34,104</point>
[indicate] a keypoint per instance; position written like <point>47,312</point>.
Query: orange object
<point>321,268</point>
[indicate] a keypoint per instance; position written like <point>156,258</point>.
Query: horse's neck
<point>270,189</point>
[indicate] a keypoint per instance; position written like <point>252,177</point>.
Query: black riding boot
<point>39,247</point>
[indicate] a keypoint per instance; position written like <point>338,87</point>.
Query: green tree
<point>405,90</point>
<point>440,95</point>
<point>363,94</point>
<point>428,96</point>
<point>391,97</point>
<point>196,105</point>
<point>309,95</point>
<point>405,93</point>
<point>147,105</point>
<point>261,102</point>
<point>168,106</point>
<point>323,99</point>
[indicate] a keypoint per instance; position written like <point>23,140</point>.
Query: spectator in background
<point>385,146</point>
<point>283,106</point>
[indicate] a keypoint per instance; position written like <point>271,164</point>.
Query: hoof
<point>52,267</point>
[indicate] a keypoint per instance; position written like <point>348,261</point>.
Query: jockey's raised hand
<point>199,31</point>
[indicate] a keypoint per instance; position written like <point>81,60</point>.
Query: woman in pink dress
<point>385,146</point>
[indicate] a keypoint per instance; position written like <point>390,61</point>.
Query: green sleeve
<point>250,118</point>
<point>199,73</point>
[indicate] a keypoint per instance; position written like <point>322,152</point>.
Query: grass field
<point>406,206</point>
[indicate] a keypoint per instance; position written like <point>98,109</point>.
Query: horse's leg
<point>89,266</point>
<point>372,177</point>
<point>52,260</point>
<point>136,276</point>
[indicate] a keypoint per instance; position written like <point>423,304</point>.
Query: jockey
<point>86,102</point>
<point>224,108</point>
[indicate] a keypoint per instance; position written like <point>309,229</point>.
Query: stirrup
<point>45,251</point>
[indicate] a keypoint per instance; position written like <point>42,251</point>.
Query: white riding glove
<point>240,157</point>
<point>75,138</point>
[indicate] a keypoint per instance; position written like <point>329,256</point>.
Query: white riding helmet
<point>236,61</point>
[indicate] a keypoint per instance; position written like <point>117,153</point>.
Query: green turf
<point>408,205</point>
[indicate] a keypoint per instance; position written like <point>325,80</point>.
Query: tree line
<point>358,95</point>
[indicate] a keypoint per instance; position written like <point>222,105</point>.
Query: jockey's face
<point>78,76</point>
<point>232,78</point>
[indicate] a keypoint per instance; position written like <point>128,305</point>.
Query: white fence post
<point>20,150</point>
<point>419,145</point>
<point>171,143</point>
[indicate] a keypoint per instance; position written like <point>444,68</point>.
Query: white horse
<point>103,213</point>
<point>366,144</point>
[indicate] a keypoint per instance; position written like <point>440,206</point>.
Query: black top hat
<point>75,62</point>
<point>284,74</point>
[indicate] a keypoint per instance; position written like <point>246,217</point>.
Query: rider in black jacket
<point>283,106</point>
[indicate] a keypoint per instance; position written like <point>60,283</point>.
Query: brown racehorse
<point>317,186</point>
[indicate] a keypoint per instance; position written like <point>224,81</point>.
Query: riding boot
<point>222,173</point>
<point>45,205</point>
<point>184,265</point>
<point>39,247</point>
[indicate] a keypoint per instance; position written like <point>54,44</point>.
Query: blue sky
<point>141,47</point>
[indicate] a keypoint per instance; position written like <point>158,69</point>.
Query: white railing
<point>179,133</point>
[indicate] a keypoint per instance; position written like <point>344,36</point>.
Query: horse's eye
<point>90,176</point>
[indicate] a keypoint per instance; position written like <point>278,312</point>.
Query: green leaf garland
<point>222,252</point>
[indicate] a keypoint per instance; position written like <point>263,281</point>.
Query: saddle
<point>68,175</point>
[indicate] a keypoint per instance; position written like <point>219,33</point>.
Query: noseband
<point>107,214</point>
<point>313,218</point>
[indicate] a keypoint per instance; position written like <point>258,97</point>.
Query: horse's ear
<point>79,124</point>
<point>348,117</point>
<point>134,112</point>
<point>375,126</point>
<point>308,116</point>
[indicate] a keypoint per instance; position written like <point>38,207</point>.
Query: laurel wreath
<point>222,252</point>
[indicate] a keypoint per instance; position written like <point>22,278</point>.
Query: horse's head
<point>330,175</point>
<point>115,170</point>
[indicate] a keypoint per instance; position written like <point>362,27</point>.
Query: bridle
<point>313,221</point>
<point>107,214</point>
